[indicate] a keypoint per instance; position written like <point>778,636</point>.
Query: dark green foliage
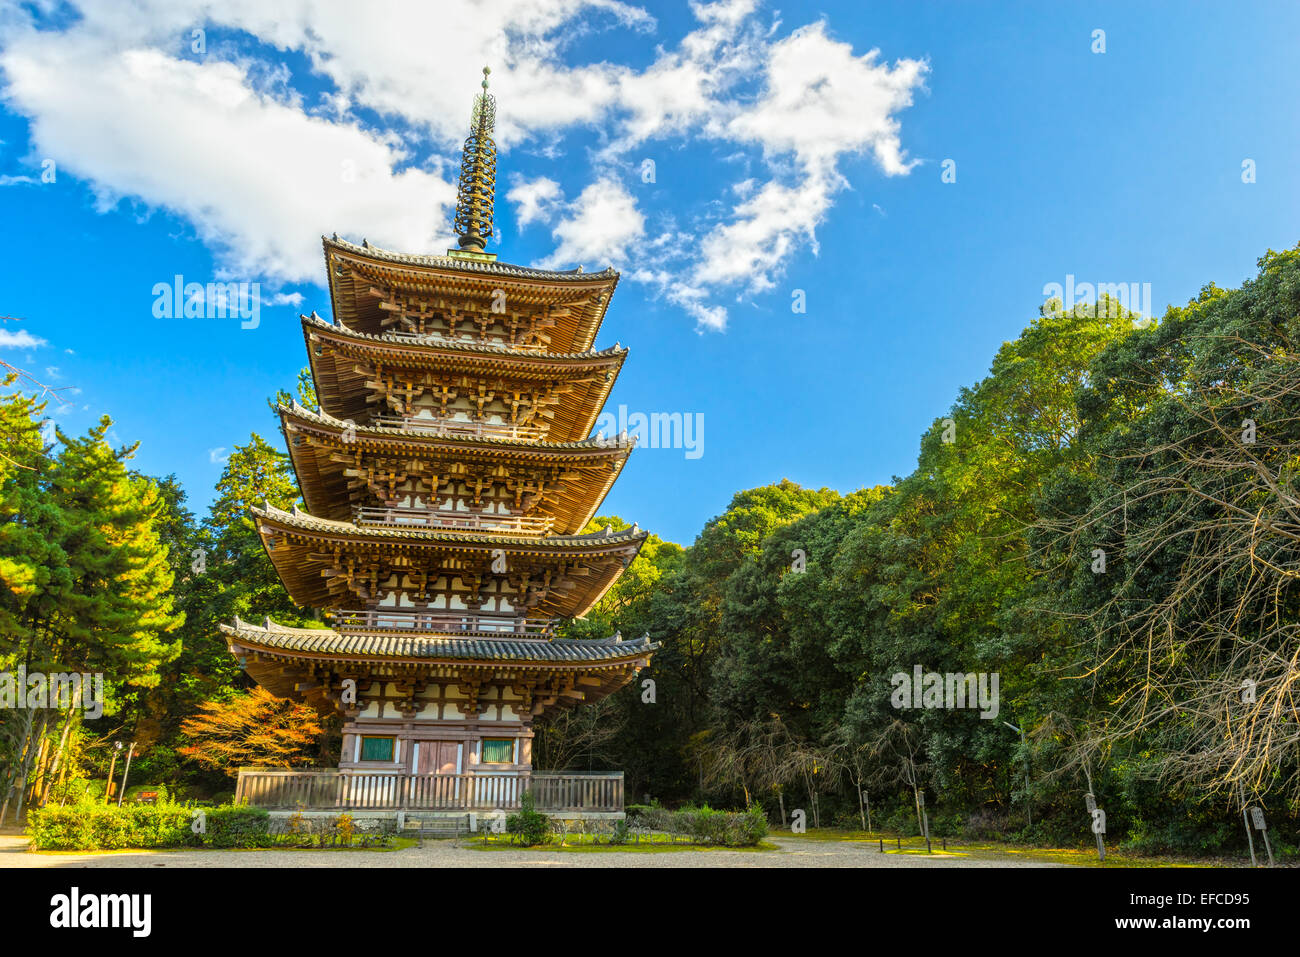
<point>88,827</point>
<point>528,826</point>
<point>91,826</point>
<point>235,826</point>
<point>703,825</point>
<point>782,624</point>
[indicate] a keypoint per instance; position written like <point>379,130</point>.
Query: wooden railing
<point>578,792</point>
<point>435,338</point>
<point>459,623</point>
<point>439,518</point>
<point>367,791</point>
<point>496,430</point>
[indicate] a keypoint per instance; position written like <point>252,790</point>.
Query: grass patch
<point>397,844</point>
<point>994,850</point>
<point>645,847</point>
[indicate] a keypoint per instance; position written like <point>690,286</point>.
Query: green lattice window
<point>376,749</point>
<point>498,751</point>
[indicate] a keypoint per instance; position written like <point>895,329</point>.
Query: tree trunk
<point>16,778</point>
<point>42,762</point>
<point>57,759</point>
<point>29,758</point>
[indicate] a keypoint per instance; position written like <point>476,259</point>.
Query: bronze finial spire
<point>476,192</point>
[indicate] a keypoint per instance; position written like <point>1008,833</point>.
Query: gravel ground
<point>792,852</point>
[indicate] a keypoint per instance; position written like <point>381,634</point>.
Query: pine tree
<point>30,561</point>
<point>121,613</point>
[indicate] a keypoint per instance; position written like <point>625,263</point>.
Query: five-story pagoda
<point>447,477</point>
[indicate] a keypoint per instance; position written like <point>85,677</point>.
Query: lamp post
<point>122,793</point>
<point>112,765</point>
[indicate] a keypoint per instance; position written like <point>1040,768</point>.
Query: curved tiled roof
<point>467,265</point>
<point>626,536</point>
<point>473,348</point>
<point>322,418</point>
<point>324,641</point>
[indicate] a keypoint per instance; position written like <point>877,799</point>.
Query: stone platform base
<point>472,820</point>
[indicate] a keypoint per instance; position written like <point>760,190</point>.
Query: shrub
<point>528,826</point>
<point>752,826</point>
<point>343,828</point>
<point>89,826</point>
<point>704,825</point>
<point>92,827</point>
<point>236,826</point>
<point>77,790</point>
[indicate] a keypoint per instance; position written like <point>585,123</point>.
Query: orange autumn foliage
<point>252,730</point>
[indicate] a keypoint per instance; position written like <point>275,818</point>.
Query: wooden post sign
<point>925,823</point>
<point>1257,818</point>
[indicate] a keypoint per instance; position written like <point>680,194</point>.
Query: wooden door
<point>437,757</point>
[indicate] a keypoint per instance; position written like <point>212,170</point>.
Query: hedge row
<point>93,827</point>
<point>703,825</point>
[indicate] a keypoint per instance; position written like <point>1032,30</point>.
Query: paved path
<point>792,852</point>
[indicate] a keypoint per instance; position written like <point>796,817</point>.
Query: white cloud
<point>820,101</point>
<point>534,199</point>
<point>229,140</point>
<point>763,231</point>
<point>22,339</point>
<point>692,299</point>
<point>598,228</point>
<point>215,456</point>
<point>260,179</point>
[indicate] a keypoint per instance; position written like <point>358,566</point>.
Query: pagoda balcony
<point>442,518</point>
<point>430,426</point>
<point>439,621</point>
<point>435,339</point>
<point>595,793</point>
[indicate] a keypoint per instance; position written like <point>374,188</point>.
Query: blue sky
<point>785,158</point>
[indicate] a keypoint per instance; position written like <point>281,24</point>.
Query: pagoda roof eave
<point>455,264</point>
<point>325,489</point>
<point>325,643</point>
<point>301,570</point>
<point>429,346</point>
<point>596,541</point>
<point>616,449</point>
<point>589,293</point>
<point>291,662</point>
<point>339,387</point>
